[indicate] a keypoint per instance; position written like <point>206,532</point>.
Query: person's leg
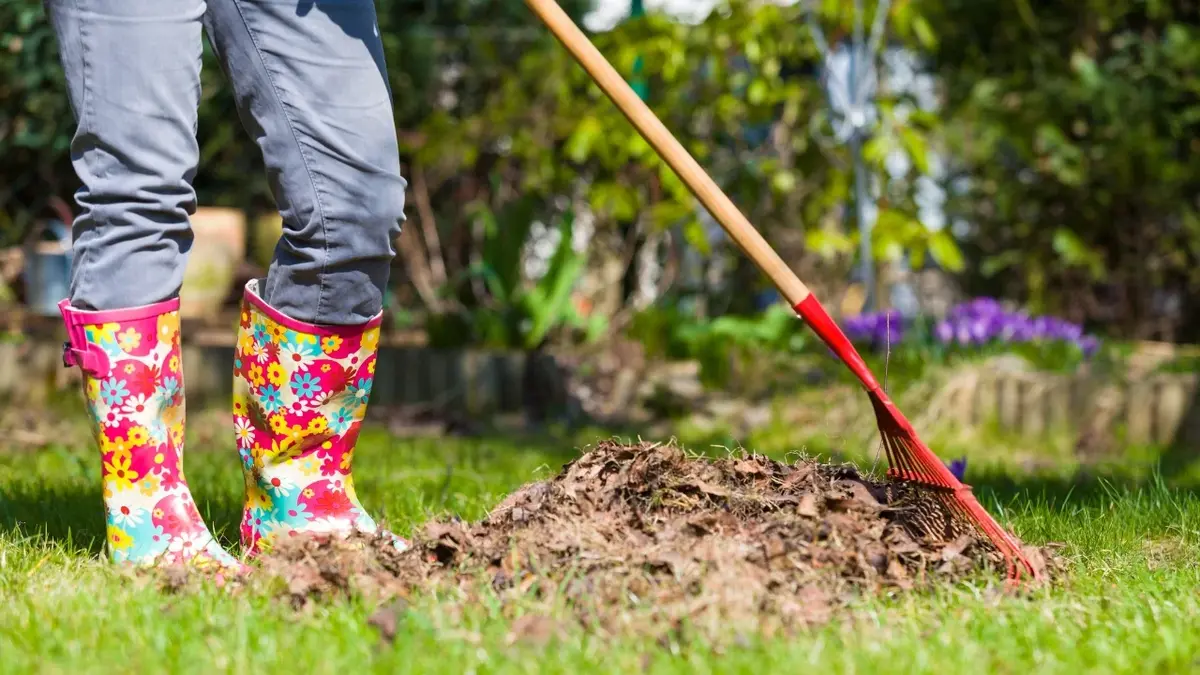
<point>133,74</point>
<point>311,87</point>
<point>312,90</point>
<point>133,69</point>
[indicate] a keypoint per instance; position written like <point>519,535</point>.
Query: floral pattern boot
<point>133,385</point>
<point>299,396</point>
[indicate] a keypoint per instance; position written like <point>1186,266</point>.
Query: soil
<point>650,538</point>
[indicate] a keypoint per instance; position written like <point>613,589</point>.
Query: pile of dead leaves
<point>627,537</point>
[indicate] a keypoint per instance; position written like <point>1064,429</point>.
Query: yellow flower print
<point>103,333</point>
<point>325,367</point>
<point>118,472</point>
<point>317,425</point>
<point>93,389</point>
<point>308,492</point>
<point>168,327</point>
<point>150,485</point>
<point>129,340</point>
<point>370,339</point>
<point>239,404</point>
<point>118,538</point>
<point>278,424</point>
<point>158,514</point>
<point>256,454</point>
<point>371,367</point>
<point>297,433</point>
<point>129,368</point>
<point>245,342</point>
<point>177,435</point>
<point>308,466</point>
<point>138,436</point>
<point>172,415</point>
<point>256,375</point>
<point>256,497</point>
<point>276,374</point>
<point>277,332</point>
<point>346,459</point>
<point>118,445</point>
<point>302,339</point>
<point>173,363</point>
<point>331,344</point>
<point>280,449</point>
<point>107,444</point>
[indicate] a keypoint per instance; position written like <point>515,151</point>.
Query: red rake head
<point>910,459</point>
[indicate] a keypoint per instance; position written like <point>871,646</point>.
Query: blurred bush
<point>1074,132</point>
<point>424,41</point>
<point>1067,138</point>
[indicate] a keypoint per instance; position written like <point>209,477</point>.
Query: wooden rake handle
<point>648,124</point>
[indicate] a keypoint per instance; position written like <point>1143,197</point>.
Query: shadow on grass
<point>69,510</point>
<point>55,493</point>
<point>69,515</point>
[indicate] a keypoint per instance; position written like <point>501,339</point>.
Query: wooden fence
<point>1160,408</point>
<point>475,382</point>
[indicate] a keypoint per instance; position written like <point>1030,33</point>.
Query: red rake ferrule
<point>814,314</point>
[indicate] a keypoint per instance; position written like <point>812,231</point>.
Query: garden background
<point>1033,203</point>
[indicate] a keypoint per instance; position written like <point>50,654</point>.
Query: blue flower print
<point>261,335</point>
<point>341,420</point>
<point>303,345</point>
<point>305,385</point>
<point>158,432</point>
<point>168,389</point>
<point>270,398</point>
<point>361,391</point>
<point>113,391</point>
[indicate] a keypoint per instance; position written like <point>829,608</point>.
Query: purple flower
<point>856,328</point>
<point>880,329</point>
<point>979,322</point>
<point>1088,345</point>
<point>944,331</point>
<point>980,331</point>
<point>958,467</point>
<point>962,332</point>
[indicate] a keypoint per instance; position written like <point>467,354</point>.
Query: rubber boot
<point>299,396</point>
<point>133,385</point>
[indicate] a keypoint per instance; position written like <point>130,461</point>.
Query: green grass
<point>1130,604</point>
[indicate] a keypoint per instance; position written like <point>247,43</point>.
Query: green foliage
<point>1076,125</point>
<point>735,89</point>
<point>35,119</point>
<point>1070,131</point>
<point>421,39</point>
<point>718,344</point>
<point>518,313</point>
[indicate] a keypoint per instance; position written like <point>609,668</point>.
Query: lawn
<point>1130,603</point>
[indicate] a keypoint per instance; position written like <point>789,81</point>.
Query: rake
<point>909,459</point>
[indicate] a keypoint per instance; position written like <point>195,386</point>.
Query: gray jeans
<point>311,88</point>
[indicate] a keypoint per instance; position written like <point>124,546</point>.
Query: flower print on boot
<point>299,396</point>
<point>133,385</point>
